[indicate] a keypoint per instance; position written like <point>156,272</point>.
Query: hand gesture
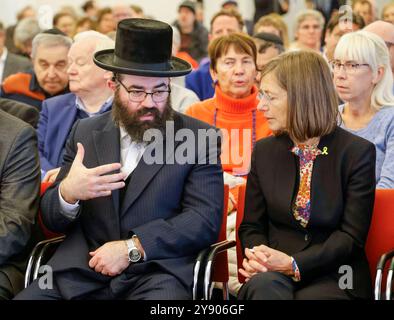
<point>82,183</point>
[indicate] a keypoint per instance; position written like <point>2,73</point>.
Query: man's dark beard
<point>131,122</point>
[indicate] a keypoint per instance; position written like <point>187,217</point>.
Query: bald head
<point>385,30</point>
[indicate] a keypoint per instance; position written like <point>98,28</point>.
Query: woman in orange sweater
<point>233,109</point>
<point>234,106</point>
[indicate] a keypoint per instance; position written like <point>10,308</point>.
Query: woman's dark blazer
<point>342,199</point>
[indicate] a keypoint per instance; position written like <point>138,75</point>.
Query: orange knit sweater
<point>235,118</point>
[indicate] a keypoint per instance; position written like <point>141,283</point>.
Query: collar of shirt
<point>105,107</point>
<point>130,152</point>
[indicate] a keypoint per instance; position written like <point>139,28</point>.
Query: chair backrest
<point>381,233</point>
<point>220,270</point>
<point>240,216</point>
<point>47,233</point>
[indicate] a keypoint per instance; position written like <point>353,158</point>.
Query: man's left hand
<point>110,259</point>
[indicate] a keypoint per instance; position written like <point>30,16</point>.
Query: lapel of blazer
<point>65,116</point>
<point>107,145</point>
<point>321,167</point>
<point>145,172</point>
<point>286,174</point>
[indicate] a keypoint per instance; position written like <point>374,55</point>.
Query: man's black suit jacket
<point>175,209</point>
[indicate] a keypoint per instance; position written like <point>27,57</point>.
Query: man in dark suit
<point>134,234</point>
<point>10,63</point>
<point>19,200</point>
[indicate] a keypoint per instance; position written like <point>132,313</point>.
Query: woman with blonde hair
<point>310,191</point>
<point>363,79</point>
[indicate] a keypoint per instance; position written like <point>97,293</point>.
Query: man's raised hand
<point>82,183</point>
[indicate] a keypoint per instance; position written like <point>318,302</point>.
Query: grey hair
<point>26,30</point>
<point>309,13</point>
<point>101,41</point>
<point>49,40</point>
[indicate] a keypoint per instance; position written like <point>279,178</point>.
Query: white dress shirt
<point>130,154</point>
<point>3,57</point>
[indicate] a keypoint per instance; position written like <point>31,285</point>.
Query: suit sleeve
<point>41,134</point>
<point>51,212</point>
<point>197,225</point>
<point>352,232</point>
<point>253,229</point>
<point>19,193</point>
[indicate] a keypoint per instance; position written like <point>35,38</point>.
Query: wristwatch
<point>133,253</point>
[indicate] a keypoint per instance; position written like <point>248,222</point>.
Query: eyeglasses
<point>263,95</point>
<point>140,95</point>
<point>349,67</point>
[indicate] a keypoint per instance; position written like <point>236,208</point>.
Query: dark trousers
<point>276,286</point>
<point>152,286</point>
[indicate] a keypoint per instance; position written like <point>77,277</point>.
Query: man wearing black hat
<point>134,226</point>
<point>194,36</point>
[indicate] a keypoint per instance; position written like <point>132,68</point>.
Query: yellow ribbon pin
<point>325,151</point>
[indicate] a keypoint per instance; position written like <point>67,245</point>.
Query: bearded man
<point>133,229</point>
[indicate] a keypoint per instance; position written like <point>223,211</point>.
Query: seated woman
<point>363,79</point>
<point>233,109</point>
<point>234,106</point>
<point>310,191</point>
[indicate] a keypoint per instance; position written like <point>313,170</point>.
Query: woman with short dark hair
<point>310,191</point>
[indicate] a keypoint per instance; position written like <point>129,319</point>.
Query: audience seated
<point>363,79</point>
<point>310,191</point>
<point>24,33</point>
<point>222,23</point>
<point>48,77</point>
<point>90,96</point>
<point>10,63</point>
<point>19,200</point>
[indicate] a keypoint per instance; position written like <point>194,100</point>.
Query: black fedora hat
<point>143,47</point>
